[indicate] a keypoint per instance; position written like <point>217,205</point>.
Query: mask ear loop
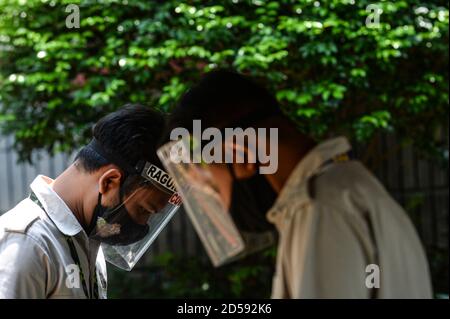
<point>95,216</point>
<point>231,170</point>
<point>122,195</point>
<point>99,203</point>
<point>233,174</point>
<point>234,179</point>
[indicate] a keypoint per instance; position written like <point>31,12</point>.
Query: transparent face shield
<point>200,191</point>
<point>126,231</point>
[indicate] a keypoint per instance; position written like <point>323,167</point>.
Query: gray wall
<point>16,178</point>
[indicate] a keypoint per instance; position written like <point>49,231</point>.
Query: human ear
<point>109,184</point>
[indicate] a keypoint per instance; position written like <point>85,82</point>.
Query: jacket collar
<point>296,186</point>
<point>55,207</point>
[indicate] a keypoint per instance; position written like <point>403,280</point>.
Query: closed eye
<point>149,209</point>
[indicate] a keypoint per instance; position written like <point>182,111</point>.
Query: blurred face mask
<point>115,226</point>
<point>251,199</point>
<point>148,201</point>
<point>227,234</point>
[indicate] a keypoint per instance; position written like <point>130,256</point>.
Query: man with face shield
<point>340,234</point>
<point>111,203</point>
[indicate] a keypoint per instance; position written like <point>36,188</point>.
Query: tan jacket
<point>334,220</point>
<point>35,259</point>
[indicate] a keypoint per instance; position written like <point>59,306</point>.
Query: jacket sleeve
<point>24,267</point>
<point>323,255</point>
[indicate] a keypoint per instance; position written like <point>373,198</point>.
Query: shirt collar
<point>55,207</point>
<point>308,166</point>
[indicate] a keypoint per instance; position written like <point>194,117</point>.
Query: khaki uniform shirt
<point>35,259</point>
<point>342,235</point>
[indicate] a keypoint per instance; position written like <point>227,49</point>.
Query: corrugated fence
<point>420,186</point>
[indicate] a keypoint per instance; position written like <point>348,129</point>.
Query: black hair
<point>223,98</point>
<point>131,133</point>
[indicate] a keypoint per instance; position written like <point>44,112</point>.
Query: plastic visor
<point>211,219</point>
<point>151,205</point>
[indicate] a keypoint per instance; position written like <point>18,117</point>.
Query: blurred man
<point>115,195</point>
<point>341,235</point>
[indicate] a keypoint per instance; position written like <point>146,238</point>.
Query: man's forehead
<point>152,193</point>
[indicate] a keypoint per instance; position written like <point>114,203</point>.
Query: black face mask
<point>114,226</point>
<point>251,199</point>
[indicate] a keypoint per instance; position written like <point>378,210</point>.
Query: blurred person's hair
<point>223,98</point>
